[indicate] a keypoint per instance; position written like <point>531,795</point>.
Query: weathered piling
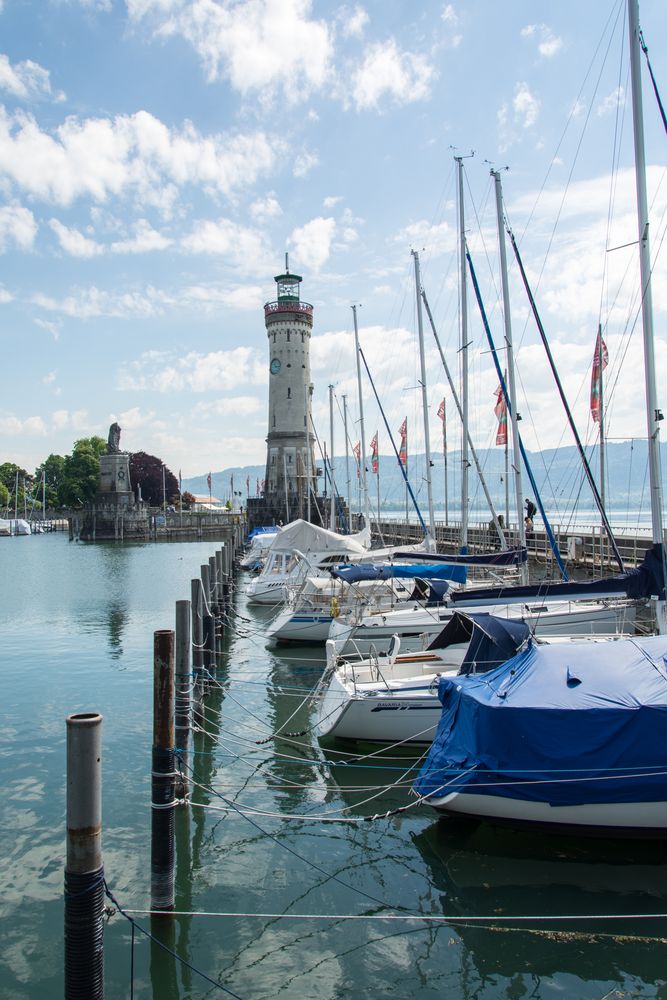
<point>197,646</point>
<point>163,784</point>
<point>183,684</point>
<point>84,872</point>
<point>206,616</point>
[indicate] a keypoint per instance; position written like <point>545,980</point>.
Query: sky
<point>159,157</point>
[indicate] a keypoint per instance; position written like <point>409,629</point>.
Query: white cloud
<point>548,44</point>
<point>93,302</point>
<point>312,242</point>
<point>266,208</point>
<point>49,378</point>
<point>304,163</point>
<point>243,247</point>
<point>436,238</point>
<point>17,226</point>
<point>52,327</point>
<point>26,80</point>
<point>353,22</point>
<point>614,100</point>
<point>13,425</point>
<point>451,18</point>
<point>263,46</point>
<point>526,105</point>
<point>5,296</point>
<point>73,242</point>
<point>231,406</point>
<point>403,77</point>
<point>194,372</point>
<point>144,240</point>
<point>136,154</point>
<point>332,200</point>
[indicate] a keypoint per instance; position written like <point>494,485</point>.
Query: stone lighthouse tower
<point>290,466</point>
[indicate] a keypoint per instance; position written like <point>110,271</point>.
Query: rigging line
<point>653,80</point>
<point>616,152</point>
<point>126,913</point>
<point>311,864</point>
<point>582,453</point>
<point>573,112</point>
<point>425,917</point>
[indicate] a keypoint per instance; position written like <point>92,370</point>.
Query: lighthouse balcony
<point>276,310</point>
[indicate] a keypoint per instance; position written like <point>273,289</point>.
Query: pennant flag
<point>257,491</point>
<point>600,362</point>
<point>180,482</point>
<point>500,410</point>
<point>208,480</point>
<point>375,459</point>
<point>247,485</point>
<point>441,411</point>
<point>357,454</point>
<point>403,451</point>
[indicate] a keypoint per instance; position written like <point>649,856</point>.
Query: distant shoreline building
<point>291,474</point>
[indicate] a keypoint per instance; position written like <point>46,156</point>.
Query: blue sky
<point>157,158</point>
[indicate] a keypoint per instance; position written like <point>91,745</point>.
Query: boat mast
<point>653,414</point>
<point>464,358</point>
<point>332,503</point>
<point>362,433</point>
<point>602,441</point>
<point>347,466</point>
<point>427,439</point>
<point>509,349</point>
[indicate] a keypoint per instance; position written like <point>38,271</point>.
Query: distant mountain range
<point>558,473</point>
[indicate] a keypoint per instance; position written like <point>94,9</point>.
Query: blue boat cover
<point>491,640</point>
<point>399,571</point>
<point>568,724</point>
<point>502,557</point>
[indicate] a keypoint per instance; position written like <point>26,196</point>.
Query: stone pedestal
<point>114,486</point>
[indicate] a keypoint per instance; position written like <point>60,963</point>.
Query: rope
<point>126,913</point>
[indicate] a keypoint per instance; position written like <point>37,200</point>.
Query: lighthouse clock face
<point>275,366</point>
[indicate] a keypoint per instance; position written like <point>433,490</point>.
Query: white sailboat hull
<point>417,629</point>
<point>640,818</point>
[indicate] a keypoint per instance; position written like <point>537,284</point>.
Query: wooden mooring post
<point>183,685</point>
<point>84,872</point>
<point>197,646</point>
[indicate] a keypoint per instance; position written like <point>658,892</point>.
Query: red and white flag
<point>403,450</point>
<point>356,450</point>
<point>600,362</point>
<point>375,458</point>
<point>208,480</point>
<point>500,410</point>
<point>441,411</point>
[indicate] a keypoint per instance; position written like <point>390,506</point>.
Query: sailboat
<point>569,738</point>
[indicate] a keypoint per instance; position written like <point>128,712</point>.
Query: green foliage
<point>95,444</point>
<point>80,474</point>
<point>4,496</point>
<point>53,468</point>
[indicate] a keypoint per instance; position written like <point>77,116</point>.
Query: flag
<point>600,362</point>
<point>375,459</point>
<point>356,450</point>
<point>208,480</point>
<point>441,411</point>
<point>257,487</point>
<point>403,451</point>
<point>500,410</point>
<point>180,483</point>
<point>247,485</point>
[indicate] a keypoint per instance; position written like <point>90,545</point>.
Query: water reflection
<point>483,871</point>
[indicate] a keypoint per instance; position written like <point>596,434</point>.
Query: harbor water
<point>284,887</point>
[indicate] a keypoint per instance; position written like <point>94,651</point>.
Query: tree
<point>53,469</point>
<point>188,500</point>
<point>8,472</point>
<point>146,471</point>
<point>81,472</point>
<point>4,496</point>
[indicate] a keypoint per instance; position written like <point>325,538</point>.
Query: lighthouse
<point>290,466</point>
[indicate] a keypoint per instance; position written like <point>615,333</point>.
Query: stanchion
<point>84,872</point>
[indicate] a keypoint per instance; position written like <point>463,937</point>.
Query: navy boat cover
<point>491,640</point>
<point>568,724</point>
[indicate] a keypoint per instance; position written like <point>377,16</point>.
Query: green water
<point>76,635</point>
